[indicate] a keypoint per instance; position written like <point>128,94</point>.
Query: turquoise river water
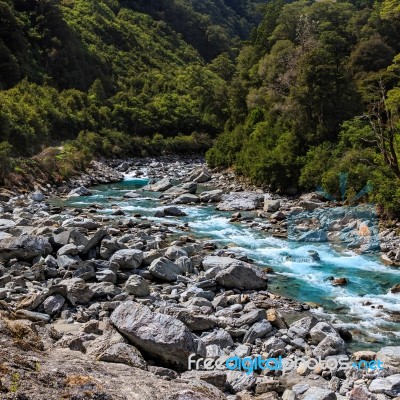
<point>364,305</point>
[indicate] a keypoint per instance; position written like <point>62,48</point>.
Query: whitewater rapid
<point>363,305</point>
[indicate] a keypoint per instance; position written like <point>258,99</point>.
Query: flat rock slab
<point>389,385</point>
<point>389,355</point>
<point>103,380</point>
<point>160,186</point>
<point>315,393</point>
<point>161,336</point>
<point>6,224</point>
<point>24,247</point>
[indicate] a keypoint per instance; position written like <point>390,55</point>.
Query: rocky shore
<point>113,307</point>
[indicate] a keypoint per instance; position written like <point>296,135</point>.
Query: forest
<point>86,78</point>
<point>317,95</point>
<point>289,93</point>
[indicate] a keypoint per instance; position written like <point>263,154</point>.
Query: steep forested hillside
<point>110,72</point>
<point>318,94</point>
<point>299,91</point>
<point>209,25</point>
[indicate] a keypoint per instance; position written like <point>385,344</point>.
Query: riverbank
<point>145,292</point>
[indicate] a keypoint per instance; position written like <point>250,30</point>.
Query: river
<point>363,305</point>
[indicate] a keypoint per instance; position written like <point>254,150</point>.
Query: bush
<point>6,160</point>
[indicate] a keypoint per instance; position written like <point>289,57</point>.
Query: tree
<point>6,162</point>
<point>391,9</point>
<point>371,55</point>
<point>383,116</point>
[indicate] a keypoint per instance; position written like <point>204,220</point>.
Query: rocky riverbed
<point>96,306</point>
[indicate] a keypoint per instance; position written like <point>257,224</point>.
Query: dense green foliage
<point>113,74</point>
<point>298,91</point>
<point>317,94</point>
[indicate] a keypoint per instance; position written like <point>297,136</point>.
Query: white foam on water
<point>375,322</point>
<point>140,208</point>
<point>139,198</point>
<point>309,278</point>
<point>192,211</point>
<point>356,261</point>
<point>309,275</point>
<point>355,303</point>
<point>218,227</point>
<point>128,177</point>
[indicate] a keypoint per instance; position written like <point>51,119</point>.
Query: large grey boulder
<point>67,262</point>
<point>77,291</point>
<point>160,336</point>
<point>389,355</point>
<point>219,337</point>
<point>127,259</point>
<point>173,212</point>
<point>258,330</point>
<point>69,250</point>
<point>109,246</point>
<point>195,321</point>
<point>79,222</point>
<point>165,270</point>
<point>80,191</point>
<point>316,393</point>
<point>272,205</point>
<point>106,275</point>
<point>250,317</point>
<point>274,344</point>
<point>6,224</point>
<point>137,286</point>
<point>38,196</point>
<point>174,252</point>
<point>24,247</point>
<point>241,201</point>
<point>306,323</point>
<point>215,261</point>
<point>123,353</point>
<point>237,381</point>
<point>60,239</point>
<point>330,346</point>
<point>187,198</point>
<point>190,187</point>
<point>85,272</point>
<point>104,289</point>
<point>318,235</point>
<point>53,304</point>
<point>200,175</point>
<point>242,276</point>
<point>123,167</point>
<point>186,264</point>
<point>94,241</point>
<point>160,186</point>
<point>389,385</point>
<point>211,196</point>
<point>320,331</point>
